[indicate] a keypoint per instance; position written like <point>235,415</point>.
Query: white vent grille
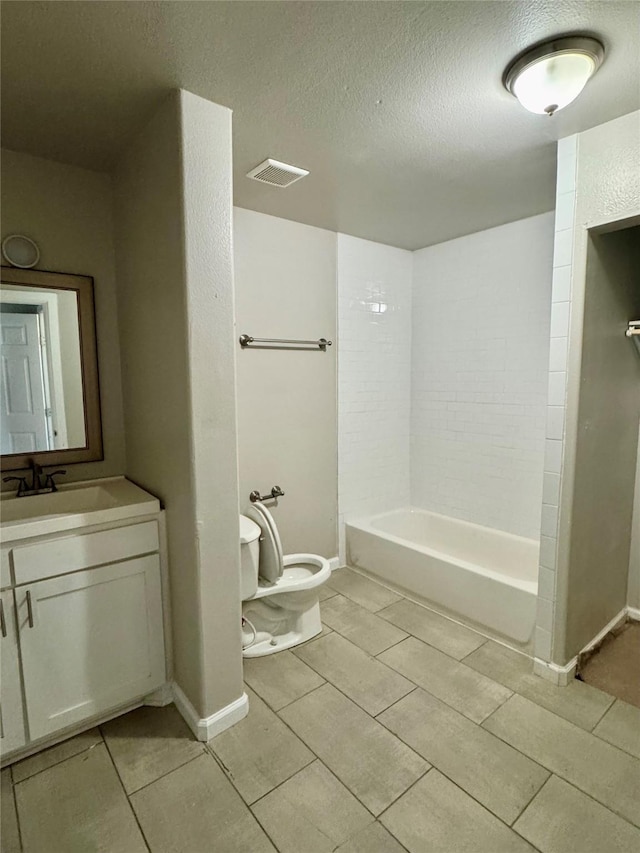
<point>277,174</point>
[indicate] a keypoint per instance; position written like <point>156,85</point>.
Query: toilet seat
<point>301,572</point>
<point>271,556</point>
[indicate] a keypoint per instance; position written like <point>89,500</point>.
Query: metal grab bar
<point>276,492</point>
<point>322,343</point>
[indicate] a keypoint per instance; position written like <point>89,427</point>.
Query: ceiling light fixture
<point>551,75</point>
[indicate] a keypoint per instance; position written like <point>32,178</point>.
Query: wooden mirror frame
<point>83,287</point>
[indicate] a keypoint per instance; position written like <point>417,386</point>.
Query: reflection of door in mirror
<point>26,422</point>
<point>49,391</point>
<point>41,392</point>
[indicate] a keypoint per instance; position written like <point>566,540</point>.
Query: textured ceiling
<point>396,108</point>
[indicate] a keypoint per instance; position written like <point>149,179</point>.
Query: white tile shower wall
<point>374,377</point>
<point>480,356</point>
<point>557,382</point>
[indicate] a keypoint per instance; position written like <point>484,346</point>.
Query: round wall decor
<point>20,251</point>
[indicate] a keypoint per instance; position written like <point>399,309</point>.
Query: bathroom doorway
<point>604,562</point>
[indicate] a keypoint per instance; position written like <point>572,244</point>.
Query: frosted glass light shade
<point>551,76</point>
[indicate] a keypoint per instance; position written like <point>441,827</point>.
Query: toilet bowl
<point>280,593</point>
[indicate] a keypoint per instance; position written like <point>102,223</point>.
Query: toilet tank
<point>249,557</point>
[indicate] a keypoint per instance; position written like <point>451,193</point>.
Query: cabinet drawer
<point>72,553</point>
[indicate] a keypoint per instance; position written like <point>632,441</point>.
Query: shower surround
<point>442,384</point>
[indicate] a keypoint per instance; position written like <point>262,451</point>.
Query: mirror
<point>49,394</point>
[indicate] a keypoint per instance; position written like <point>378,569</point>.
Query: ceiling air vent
<point>277,174</point>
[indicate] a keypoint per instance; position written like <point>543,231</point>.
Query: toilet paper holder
<point>276,492</point>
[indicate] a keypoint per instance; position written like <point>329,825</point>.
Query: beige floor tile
<point>436,816</point>
<point>374,839</point>
<point>313,812</point>
<point>363,591</point>
<point>610,776</point>
<point>55,754</point>
<point>621,727</point>
<point>359,625</point>
<point>577,702</point>
<point>280,679</point>
<point>325,592</point>
<point>432,628</point>
<point>374,764</point>
<point>494,773</point>
<point>466,690</point>
<point>562,819</point>
<point>260,752</point>
<point>9,834</point>
<point>370,684</point>
<point>149,742</point>
<point>195,809</point>
<point>77,806</point>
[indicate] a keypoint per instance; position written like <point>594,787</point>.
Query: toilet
<point>280,593</point>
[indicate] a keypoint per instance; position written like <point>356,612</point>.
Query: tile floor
<point>395,730</point>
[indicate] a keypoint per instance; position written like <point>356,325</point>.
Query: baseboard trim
<point>206,728</point>
<point>633,613</point>
<point>334,563</point>
<point>558,675</point>
<point>160,697</point>
<point>562,675</point>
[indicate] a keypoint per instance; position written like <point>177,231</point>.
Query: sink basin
<point>59,503</point>
<point>74,505</point>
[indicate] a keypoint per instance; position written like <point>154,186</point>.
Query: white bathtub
<point>483,576</point>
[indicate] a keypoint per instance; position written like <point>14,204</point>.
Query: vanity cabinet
<point>11,716</point>
<point>82,628</point>
<point>90,641</point>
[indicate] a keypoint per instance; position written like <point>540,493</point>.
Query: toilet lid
<point>271,557</point>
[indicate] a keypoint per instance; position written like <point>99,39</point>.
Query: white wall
<point>374,377</point>
<point>67,211</point>
<point>481,313</point>
<point>287,436</point>
<point>175,288</point>
<point>598,183</point>
<point>633,588</point>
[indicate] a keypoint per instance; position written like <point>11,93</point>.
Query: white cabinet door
<point>90,641</point>
<point>11,710</point>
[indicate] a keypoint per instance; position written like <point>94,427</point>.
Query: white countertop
<point>74,505</point>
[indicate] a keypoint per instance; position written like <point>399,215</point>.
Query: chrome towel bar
<point>322,343</point>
